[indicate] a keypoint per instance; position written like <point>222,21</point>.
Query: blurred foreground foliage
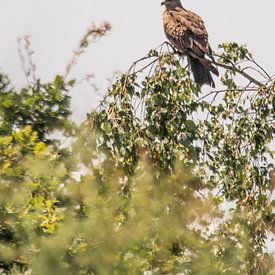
<point>161,179</point>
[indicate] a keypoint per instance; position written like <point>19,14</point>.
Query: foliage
<point>146,183</point>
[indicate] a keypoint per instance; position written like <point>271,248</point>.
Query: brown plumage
<point>187,33</point>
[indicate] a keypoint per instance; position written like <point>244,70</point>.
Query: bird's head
<point>171,4</point>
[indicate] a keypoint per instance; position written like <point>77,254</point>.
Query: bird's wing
<point>186,31</point>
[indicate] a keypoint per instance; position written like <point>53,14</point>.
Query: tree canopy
<point>162,178</point>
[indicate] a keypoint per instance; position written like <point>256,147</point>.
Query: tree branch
<point>235,69</point>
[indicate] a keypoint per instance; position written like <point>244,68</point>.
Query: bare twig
<point>25,54</point>
<point>241,72</point>
<point>92,35</point>
<point>254,69</point>
<point>226,90</point>
<point>260,67</point>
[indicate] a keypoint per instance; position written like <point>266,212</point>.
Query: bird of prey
<point>186,32</point>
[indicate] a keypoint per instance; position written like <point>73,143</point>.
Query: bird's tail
<point>201,71</point>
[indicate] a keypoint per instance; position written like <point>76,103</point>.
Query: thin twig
<point>226,90</point>
<point>92,35</point>
<point>254,69</point>
<point>25,53</point>
<point>257,64</point>
<point>235,69</point>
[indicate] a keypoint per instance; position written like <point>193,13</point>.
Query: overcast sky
<point>55,27</point>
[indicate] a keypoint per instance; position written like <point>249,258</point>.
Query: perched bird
<point>186,32</point>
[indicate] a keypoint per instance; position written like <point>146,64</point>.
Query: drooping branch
<point>229,65</point>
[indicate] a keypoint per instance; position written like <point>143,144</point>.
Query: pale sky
<point>55,27</point>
